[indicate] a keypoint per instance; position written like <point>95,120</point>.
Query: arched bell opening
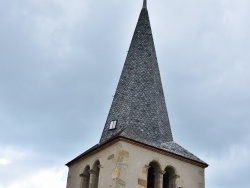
<point>85,177</point>
<point>94,174</point>
<point>153,178</point>
<point>169,177</point>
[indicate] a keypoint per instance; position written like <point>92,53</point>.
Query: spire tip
<point>144,4</point>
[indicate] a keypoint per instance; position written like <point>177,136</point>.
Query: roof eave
<point>99,147</point>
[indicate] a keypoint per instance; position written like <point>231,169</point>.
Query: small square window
<point>112,125</point>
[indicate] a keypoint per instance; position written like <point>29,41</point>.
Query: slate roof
<point>139,105</point>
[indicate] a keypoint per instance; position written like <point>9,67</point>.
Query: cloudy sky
<point>60,62</point>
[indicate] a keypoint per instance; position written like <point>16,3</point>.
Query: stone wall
<point>125,165</point>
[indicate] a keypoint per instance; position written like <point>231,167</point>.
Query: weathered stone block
<point>111,157</point>
<point>123,153</point>
<point>142,182</point>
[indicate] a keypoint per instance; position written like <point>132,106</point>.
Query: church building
<point>136,149</point>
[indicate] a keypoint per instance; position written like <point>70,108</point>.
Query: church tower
<point>136,149</point>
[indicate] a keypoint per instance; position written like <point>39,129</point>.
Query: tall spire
<point>144,4</point>
<point>138,110</point>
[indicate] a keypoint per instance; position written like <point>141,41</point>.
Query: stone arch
<point>85,177</point>
<point>94,174</point>
<point>169,177</point>
<point>154,175</point>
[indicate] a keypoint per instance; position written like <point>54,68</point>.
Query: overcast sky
<point>60,62</point>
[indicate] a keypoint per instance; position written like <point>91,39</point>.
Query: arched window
<point>94,175</point>
<point>85,177</point>
<point>153,180</point>
<point>169,178</point>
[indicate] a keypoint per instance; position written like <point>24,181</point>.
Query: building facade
<point>136,148</point>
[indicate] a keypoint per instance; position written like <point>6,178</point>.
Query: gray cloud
<point>60,63</point>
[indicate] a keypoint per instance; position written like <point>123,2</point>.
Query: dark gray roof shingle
<point>139,103</point>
